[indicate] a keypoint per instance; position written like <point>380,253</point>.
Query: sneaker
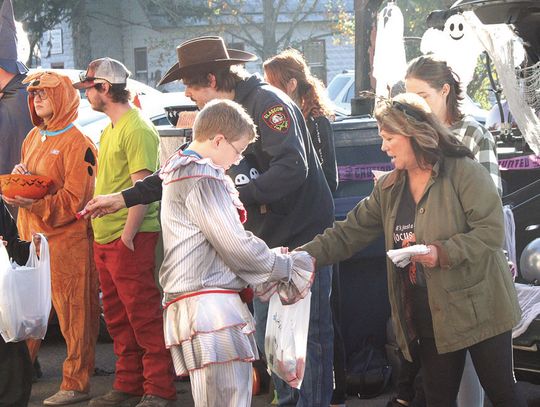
<point>149,400</point>
<point>65,397</point>
<point>115,398</point>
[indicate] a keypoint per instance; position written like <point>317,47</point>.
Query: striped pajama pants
<point>227,384</point>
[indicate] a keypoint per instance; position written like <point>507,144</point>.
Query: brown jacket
<point>471,295</point>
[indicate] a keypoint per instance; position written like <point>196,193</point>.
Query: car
<point>341,91</point>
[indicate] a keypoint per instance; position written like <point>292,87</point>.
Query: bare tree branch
<point>297,21</point>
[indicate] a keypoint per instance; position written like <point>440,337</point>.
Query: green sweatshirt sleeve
<point>362,226</point>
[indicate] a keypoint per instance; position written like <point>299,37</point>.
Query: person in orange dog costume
<point>58,149</point>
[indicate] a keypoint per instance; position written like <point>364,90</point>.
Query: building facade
<point>145,39</point>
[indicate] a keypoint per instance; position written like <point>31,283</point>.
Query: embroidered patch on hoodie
<point>277,118</point>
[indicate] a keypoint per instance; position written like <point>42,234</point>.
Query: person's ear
<point>291,86</point>
<point>105,86</point>
<point>212,80</point>
<point>218,139</point>
<point>445,90</point>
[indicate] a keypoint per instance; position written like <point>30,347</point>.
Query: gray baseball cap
<point>103,70</point>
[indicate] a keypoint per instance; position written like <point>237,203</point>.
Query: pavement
<point>52,354</point>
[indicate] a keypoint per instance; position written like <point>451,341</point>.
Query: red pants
<point>132,307</point>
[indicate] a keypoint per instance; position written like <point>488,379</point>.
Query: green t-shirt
<point>128,147</point>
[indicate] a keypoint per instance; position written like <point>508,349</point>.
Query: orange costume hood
<point>64,99</point>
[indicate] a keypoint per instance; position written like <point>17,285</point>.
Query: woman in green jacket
<point>458,297</point>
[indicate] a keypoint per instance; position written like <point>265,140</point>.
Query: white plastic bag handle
<point>4,257</point>
<point>33,260</point>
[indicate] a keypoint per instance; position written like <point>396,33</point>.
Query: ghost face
<point>253,173</point>
<point>241,179</point>
<point>456,28</point>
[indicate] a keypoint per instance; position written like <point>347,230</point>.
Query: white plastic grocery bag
<point>285,342</point>
<point>25,295</point>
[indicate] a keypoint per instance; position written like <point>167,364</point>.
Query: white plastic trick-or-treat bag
<point>286,337</point>
<point>25,295</point>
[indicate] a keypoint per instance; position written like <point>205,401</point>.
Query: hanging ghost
<point>457,44</point>
<point>389,62</point>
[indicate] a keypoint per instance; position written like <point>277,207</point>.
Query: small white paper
<point>402,257</point>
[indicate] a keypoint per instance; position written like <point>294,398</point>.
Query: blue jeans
<point>316,389</point>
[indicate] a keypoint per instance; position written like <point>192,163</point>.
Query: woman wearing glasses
<point>55,147</point>
<point>459,296</point>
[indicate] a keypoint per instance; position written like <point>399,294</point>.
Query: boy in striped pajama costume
<point>210,258</point>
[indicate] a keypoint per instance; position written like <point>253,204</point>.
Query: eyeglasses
<point>42,93</point>
<point>238,152</point>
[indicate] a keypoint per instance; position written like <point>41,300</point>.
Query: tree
<point>238,18</point>
<point>39,17</point>
<point>176,10</point>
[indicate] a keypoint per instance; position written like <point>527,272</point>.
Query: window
<point>141,64</point>
<point>57,65</point>
<point>315,54</point>
<point>336,86</point>
<point>350,93</point>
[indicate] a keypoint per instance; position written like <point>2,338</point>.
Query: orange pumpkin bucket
<point>25,185</point>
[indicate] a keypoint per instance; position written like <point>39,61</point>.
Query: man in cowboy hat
<point>14,116</point>
<point>281,178</point>
<point>125,244</point>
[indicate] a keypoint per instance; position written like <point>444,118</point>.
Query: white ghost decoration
<point>254,173</point>
<point>457,44</point>
<point>389,62</point>
<point>241,179</point>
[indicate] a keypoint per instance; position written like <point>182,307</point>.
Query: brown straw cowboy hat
<point>204,52</point>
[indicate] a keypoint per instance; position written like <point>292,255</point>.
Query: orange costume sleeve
<point>71,163</point>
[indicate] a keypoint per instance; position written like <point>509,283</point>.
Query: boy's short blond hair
<point>222,116</point>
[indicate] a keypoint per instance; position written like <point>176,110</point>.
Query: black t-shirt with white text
<point>413,277</point>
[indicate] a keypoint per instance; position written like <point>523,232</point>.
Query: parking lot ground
<point>52,354</point>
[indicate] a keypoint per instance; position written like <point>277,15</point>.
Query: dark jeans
<point>339,396</point>
<point>492,359</point>
<point>15,374</point>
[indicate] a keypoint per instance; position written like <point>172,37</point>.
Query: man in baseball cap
<point>124,246</point>
<point>103,70</point>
